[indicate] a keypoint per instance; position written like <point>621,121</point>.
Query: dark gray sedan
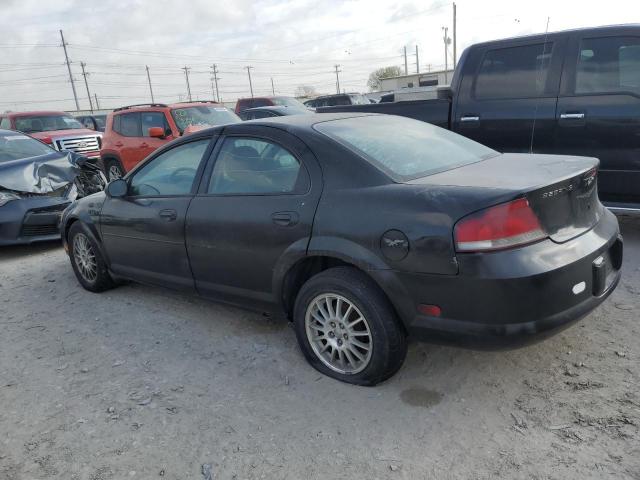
<point>363,230</point>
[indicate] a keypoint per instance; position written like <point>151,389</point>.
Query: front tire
<point>87,261</point>
<point>347,329</point>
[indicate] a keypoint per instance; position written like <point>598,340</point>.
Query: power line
<point>214,68</point>
<point>66,56</point>
<point>86,84</point>
<point>150,87</point>
<point>250,84</point>
<point>186,75</point>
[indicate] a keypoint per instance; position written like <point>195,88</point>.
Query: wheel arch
<point>314,263</point>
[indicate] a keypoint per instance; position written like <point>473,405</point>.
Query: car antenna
<point>535,112</point>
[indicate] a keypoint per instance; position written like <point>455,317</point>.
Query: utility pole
<point>446,55</point>
<point>150,87</point>
<point>97,104</point>
<point>66,57</point>
<point>250,84</point>
<point>86,84</point>
<point>406,65</point>
<point>186,75</point>
<point>273,90</point>
<point>337,78</point>
<point>455,36</point>
<point>417,61</point>
<point>214,67</point>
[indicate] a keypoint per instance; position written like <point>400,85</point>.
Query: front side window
<point>514,72</point>
<point>153,119</point>
<point>170,173</point>
<point>416,149</point>
<point>130,125</point>
<point>608,65</point>
<point>46,123</point>
<point>5,123</point>
<point>252,166</point>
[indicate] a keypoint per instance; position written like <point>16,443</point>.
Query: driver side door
<point>143,232</point>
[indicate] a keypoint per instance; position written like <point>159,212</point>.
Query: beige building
<point>415,80</point>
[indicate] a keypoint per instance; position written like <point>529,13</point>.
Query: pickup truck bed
<point>435,111</point>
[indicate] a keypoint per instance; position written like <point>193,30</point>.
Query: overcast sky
<point>295,42</point>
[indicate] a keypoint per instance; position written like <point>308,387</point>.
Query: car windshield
<point>287,102</point>
<point>14,146</point>
<point>46,123</point>
<point>404,148</point>
<point>203,115</point>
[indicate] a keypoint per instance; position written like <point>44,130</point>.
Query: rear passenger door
<point>598,111</point>
<point>253,213</point>
<point>506,90</point>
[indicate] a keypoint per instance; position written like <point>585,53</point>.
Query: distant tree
<point>306,91</point>
<point>384,72</point>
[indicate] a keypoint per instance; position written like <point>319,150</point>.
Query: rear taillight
<point>46,140</point>
<point>503,226</point>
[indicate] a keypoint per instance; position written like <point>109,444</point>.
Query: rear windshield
<point>14,146</point>
<point>404,148</point>
<point>203,115</point>
<point>46,123</point>
<point>287,102</point>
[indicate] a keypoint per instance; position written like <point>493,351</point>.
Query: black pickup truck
<point>572,92</point>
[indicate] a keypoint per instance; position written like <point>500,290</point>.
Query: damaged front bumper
<point>31,219</point>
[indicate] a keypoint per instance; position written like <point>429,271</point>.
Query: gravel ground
<point>140,382</point>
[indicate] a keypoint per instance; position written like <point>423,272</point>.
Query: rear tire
<point>347,328</point>
<point>87,261</point>
<point>112,169</point>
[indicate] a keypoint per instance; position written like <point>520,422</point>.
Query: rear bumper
<point>31,220</point>
<point>515,297</point>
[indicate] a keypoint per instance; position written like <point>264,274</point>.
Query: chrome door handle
<point>470,118</point>
<point>168,214</point>
<point>572,116</point>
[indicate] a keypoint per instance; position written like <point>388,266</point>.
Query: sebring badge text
<point>558,191</point>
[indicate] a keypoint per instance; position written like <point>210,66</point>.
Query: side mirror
<point>117,188</point>
<point>156,132</point>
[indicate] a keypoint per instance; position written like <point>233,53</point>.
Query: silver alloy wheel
<point>114,173</point>
<point>338,333</point>
<point>85,258</point>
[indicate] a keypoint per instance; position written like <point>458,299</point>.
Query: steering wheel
<point>183,170</point>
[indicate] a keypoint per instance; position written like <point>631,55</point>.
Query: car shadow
<point>16,251</point>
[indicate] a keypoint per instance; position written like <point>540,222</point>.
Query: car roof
<point>36,112</point>
<point>275,108</point>
<point>303,122</point>
<point>533,36</point>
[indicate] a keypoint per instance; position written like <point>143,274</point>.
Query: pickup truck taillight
<point>504,226</point>
<point>46,140</point>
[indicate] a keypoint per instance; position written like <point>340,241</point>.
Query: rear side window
<point>251,166</point>
<point>152,119</point>
<point>608,65</point>
<point>416,149</point>
<point>5,123</point>
<point>514,72</point>
<point>130,125</point>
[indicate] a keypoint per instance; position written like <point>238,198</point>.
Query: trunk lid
<point>561,190</point>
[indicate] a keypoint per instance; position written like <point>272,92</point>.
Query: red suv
<point>133,132</point>
<point>244,103</point>
<point>58,129</point>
